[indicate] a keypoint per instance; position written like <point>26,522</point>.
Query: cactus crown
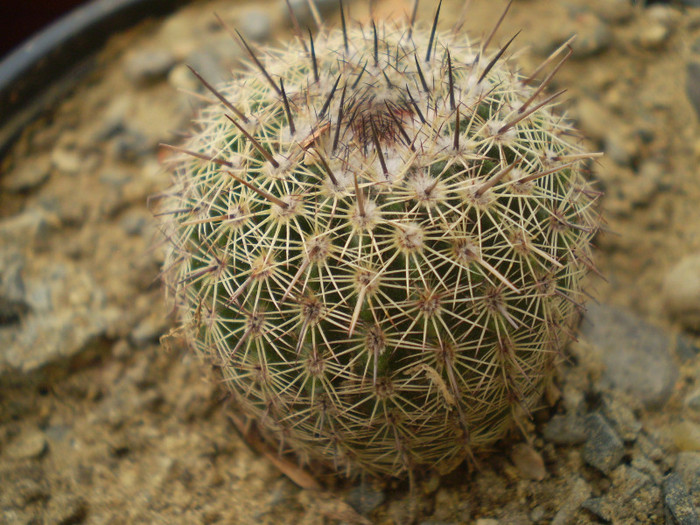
<point>379,235</point>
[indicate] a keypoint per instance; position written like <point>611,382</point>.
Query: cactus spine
<point>378,236</point>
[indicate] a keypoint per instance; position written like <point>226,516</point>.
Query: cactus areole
<point>378,236</point>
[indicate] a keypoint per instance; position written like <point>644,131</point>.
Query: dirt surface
<point>101,423</point>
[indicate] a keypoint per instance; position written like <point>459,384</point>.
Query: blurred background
<point>19,20</point>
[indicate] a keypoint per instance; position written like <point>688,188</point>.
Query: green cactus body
<point>380,246</point>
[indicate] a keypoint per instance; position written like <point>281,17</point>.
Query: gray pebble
<point>116,178</point>
<point>613,11</point>
<point>678,502</point>
<point>594,36</point>
<point>692,403</point>
<point>68,313</point>
<point>114,118</point>
<point>620,146</point>
<point>147,66</point>
<point>599,507</point>
<point>256,24</point>
<point>566,429</point>
<point>686,348</point>
<point>648,467</point>
<point>215,60</point>
<point>24,229</point>
<point>578,493</point>
<point>681,292</point>
<point>692,3</point>
<point>603,449</point>
<point>364,499</point>
<point>627,483</point>
<point>688,468</point>
<point>12,264</point>
<point>130,145</point>
<point>637,356</point>
<point>695,46</point>
<point>692,85</point>
<point>133,222</point>
<point>626,425</point>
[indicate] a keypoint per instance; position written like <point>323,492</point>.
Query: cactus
<point>378,236</point>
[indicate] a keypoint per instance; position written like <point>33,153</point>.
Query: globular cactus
<point>378,235</point>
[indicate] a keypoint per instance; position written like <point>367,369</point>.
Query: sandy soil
<point>101,423</point>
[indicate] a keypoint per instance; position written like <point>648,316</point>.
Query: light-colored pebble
<point>27,176</point>
<point>256,24</point>
<point>686,436</point>
<point>28,445</point>
<point>145,66</point>
<point>681,292</point>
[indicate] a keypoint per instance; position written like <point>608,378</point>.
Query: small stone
<point>692,404</point>
<point>594,119</point>
<point>579,492</point>
<point>146,66</point>
<point>648,467</point>
<point>566,429</point>
<point>681,292</point>
<point>686,436</point>
<point>115,178</point>
<point>603,449</point>
<point>598,507</point>
<point>627,482</point>
<point>256,24</point>
<point>688,468</point>
<point>302,11</point>
<point>121,349</point>
<point>130,145</point>
<point>28,445</point>
<point>528,462</point>
<point>114,118</point>
<point>181,78</point>
<point>66,160</point>
<point>133,222</point>
<point>13,298</point>
<point>646,184</point>
<point>538,513</point>
<point>593,36</point>
<point>620,147</point>
<point>214,60</point>
<point>65,508</point>
<point>24,229</point>
<point>637,356</point>
<point>686,348</point>
<point>653,36</point>
<point>364,499</point>
<point>678,502</point>
<point>148,330</point>
<point>626,425</point>
<point>613,11</point>
<point>692,85</point>
<point>27,176</point>
<point>487,521</point>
